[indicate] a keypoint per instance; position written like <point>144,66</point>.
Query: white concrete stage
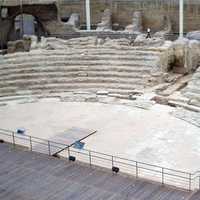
<point>152,136</point>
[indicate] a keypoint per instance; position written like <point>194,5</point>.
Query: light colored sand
<point>152,136</point>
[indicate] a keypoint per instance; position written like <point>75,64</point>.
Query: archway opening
<point>26,24</point>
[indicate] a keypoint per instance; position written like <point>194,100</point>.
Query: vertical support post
<point>136,169</point>
<point>199,182</point>
<point>68,152</point>
<point>163,176</point>
<point>1,41</point>
<point>90,158</point>
<point>22,18</point>
<point>181,13</point>
<point>112,161</point>
<point>190,181</point>
<point>13,138</point>
<point>31,147</point>
<point>1,32</point>
<point>88,16</point>
<point>49,148</point>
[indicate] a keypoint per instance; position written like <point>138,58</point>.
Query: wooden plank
<point>29,175</point>
<point>196,196</point>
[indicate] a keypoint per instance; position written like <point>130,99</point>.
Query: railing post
<point>13,138</point>
<point>163,176</point>
<point>112,161</point>
<point>90,158</point>
<point>31,147</point>
<point>49,148</point>
<point>68,152</point>
<point>199,182</point>
<point>136,169</point>
<point>190,180</point>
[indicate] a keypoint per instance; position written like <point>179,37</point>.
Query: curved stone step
<point>47,80</point>
<point>83,58</point>
<point>75,69</point>
<point>192,95</point>
<point>8,89</point>
<point>82,67</point>
<point>95,52</point>
<point>71,68</point>
<point>115,47</point>
<point>76,63</point>
<point>68,74</point>
<point>82,44</point>
<point>192,88</point>
<point>60,87</point>
<point>58,92</point>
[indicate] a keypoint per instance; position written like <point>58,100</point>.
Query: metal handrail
<point>159,167</point>
<point>33,137</point>
<point>187,177</point>
<point>148,164</point>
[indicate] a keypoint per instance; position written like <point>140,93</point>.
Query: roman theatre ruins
<point>87,65</point>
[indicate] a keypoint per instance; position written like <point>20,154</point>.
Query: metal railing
<point>166,176</point>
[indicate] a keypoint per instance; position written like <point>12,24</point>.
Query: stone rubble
<point>74,20</point>
<point>186,115</point>
<point>186,55</point>
<point>106,21</point>
<point>136,26</point>
<point>167,27</point>
<point>141,40</point>
<point>192,90</point>
<point>194,35</point>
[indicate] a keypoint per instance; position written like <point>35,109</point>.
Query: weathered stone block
<point>186,55</point>
<point>136,26</point>
<point>74,20</point>
<point>194,35</point>
<point>106,21</point>
<point>19,45</point>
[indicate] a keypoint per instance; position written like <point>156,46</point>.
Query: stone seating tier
<point>116,69</point>
<point>192,90</point>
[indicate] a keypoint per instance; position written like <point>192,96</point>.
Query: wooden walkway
<point>195,196</point>
<point>32,176</point>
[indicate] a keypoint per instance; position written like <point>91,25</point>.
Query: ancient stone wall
<point>50,14</point>
<point>43,14</point>
<point>47,16</point>
<point>122,11</point>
